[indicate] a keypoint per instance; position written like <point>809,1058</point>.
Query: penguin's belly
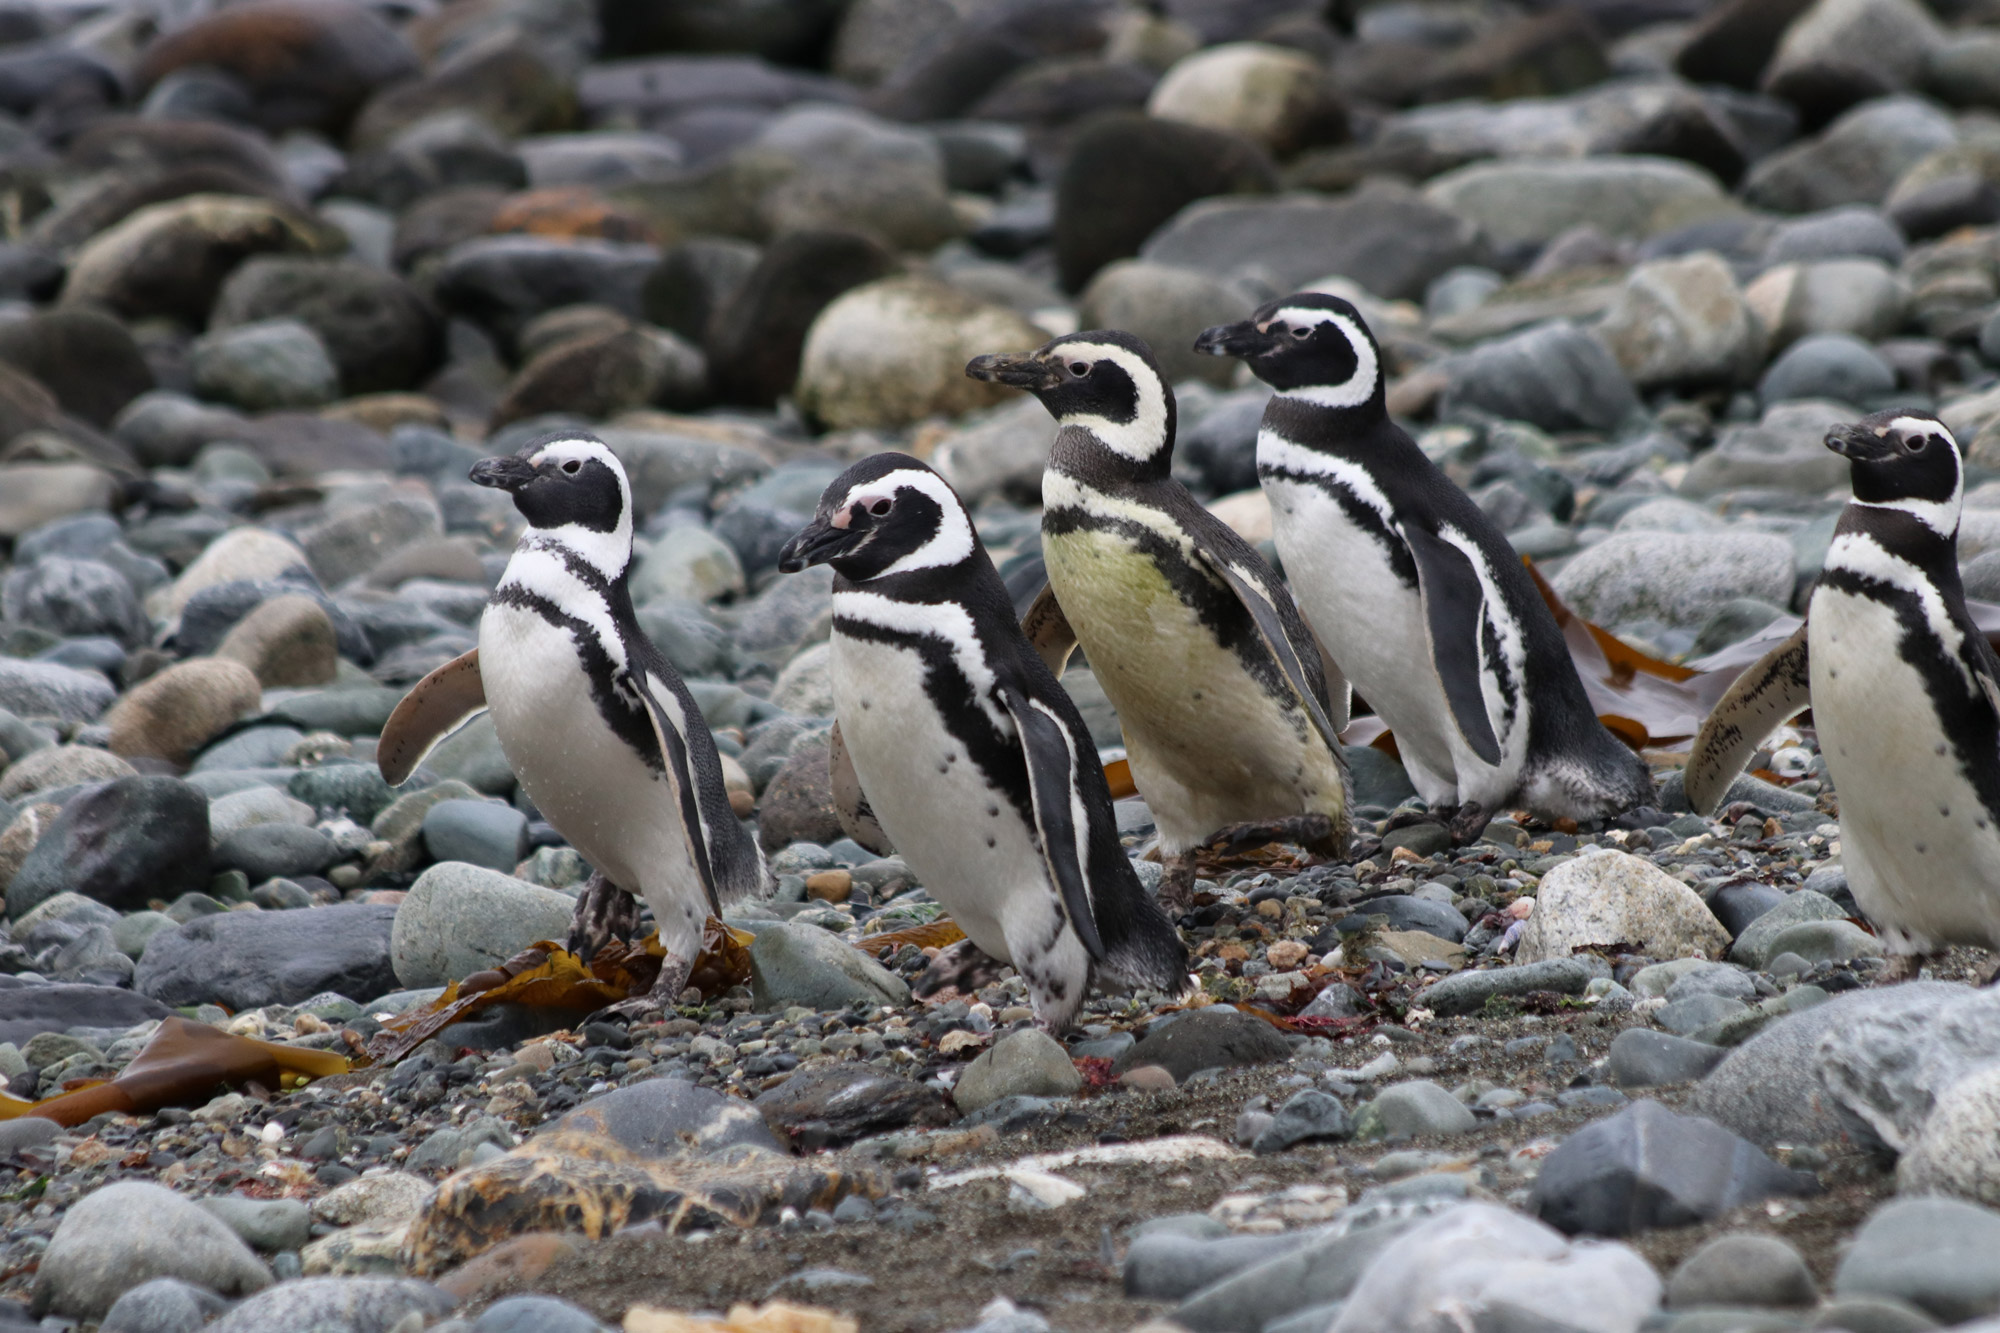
<point>1922,854</point>
<point>1208,745</point>
<point>1372,624</point>
<point>587,782</point>
<point>966,842</point>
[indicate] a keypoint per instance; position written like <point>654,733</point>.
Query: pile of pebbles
<point>274,274</point>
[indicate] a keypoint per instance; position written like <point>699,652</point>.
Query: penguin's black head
<point>1309,346</point>
<point>1104,381</point>
<point>572,487</point>
<point>888,514</point>
<point>1902,459</point>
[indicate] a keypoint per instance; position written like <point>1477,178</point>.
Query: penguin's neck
<point>1083,455</point>
<point>1910,537</point>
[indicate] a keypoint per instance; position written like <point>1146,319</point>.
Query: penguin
<point>974,760</point>
<point>1905,694</point>
<point>1418,597</point>
<point>600,730</point>
<point>1229,719</point>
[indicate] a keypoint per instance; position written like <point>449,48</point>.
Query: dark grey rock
<point>808,966</point>
<point>44,689</point>
<point>1940,1255</point>
<point>1753,946</point>
<point>1827,365</point>
<point>1837,233</point>
<point>1164,1266</point>
<point>1692,1013</point>
<point>1308,1115</point>
<point>246,960</point>
<point>826,1107</point>
<point>28,1008</point>
<point>355,790</point>
<point>502,282</point>
<point>1379,779</point>
<point>1211,1038</point>
<point>1407,913</point>
<point>267,851</point>
<point>1766,797</point>
<point>667,1117</point>
<point>492,834</point>
<point>1325,1268</point>
<point>1737,905</point>
<point>74,597</point>
<point>122,843</point>
<point>381,334</point>
<point>1643,1059</point>
<point>1647,1167</point>
<point>264,1224</point>
<point>754,337</point>
<point>1556,376</point>
<point>1468,992</point>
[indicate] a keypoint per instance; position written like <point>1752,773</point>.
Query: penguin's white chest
<point>1371,622</point>
<point>1922,854</point>
<point>594,788</point>
<point>964,839</point>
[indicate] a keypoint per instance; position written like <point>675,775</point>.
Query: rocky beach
<point>275,274</point>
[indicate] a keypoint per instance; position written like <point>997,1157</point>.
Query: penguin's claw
<point>1467,823</point>
<point>604,912</point>
<point>663,995</point>
<point>963,966</point>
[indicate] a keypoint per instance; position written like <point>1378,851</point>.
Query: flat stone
<point>1468,992</point>
<point>829,1106</point>
<point>264,1224</point>
<point>492,834</point>
<point>1695,1012</point>
<point>1825,942</point>
<point>1210,1038</point>
<point>1164,1265</point>
<point>1308,1115</point>
<point>666,1117</point>
<point>1643,1059</point>
<point>246,960</point>
<point>373,1303</point>
<point>1753,947</point>
<point>30,1008</point>
<point>1647,1167</point>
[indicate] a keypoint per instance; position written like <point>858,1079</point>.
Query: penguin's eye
<point>1079,368</point>
<point>881,507</point>
<point>1303,332</point>
<point>572,467</point>
<point>1916,445</point>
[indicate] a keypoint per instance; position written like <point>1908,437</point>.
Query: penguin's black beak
<point>508,472</point>
<point>826,538</point>
<point>1860,444</point>
<point>1242,338</point>
<point>1019,370</point>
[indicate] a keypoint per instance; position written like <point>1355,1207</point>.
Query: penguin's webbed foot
<point>604,912</point>
<point>1176,895</point>
<point>963,965</point>
<point>662,996</point>
<point>1467,823</point>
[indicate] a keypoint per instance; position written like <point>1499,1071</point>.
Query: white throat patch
<point>607,552</point>
<point>951,543</point>
<point>1357,388</point>
<point>1146,433</point>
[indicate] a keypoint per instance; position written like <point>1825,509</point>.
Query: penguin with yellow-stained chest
<point>1229,716</point>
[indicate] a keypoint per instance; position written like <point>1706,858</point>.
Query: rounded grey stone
<point>126,1233</point>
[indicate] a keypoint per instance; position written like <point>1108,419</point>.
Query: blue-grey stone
<point>492,834</point>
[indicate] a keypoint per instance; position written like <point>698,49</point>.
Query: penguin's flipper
<point>1454,609</point>
<point>432,710</point>
<point>679,772</point>
<point>1062,818</point>
<point>1257,600</point>
<point>1773,690</point>
<point>850,803</point>
<point>1048,631</point>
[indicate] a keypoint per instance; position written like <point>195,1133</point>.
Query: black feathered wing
<point>1055,758</point>
<point>1454,610</point>
<point>723,854</point>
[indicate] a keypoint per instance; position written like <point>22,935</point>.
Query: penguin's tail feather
<point>1149,954</point>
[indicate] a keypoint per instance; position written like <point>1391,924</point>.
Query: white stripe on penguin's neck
<point>1357,388</point>
<point>1143,436</point>
<point>609,553</point>
<point>949,545</point>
